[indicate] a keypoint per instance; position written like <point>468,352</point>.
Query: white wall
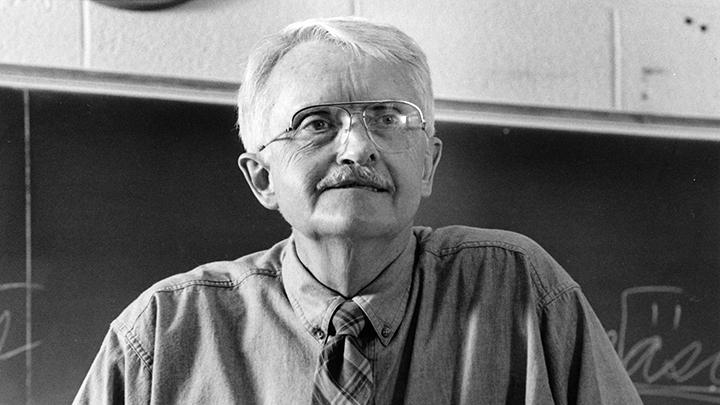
<point>633,55</point>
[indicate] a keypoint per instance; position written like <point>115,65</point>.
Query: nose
<point>356,147</point>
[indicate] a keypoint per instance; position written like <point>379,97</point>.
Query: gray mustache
<point>355,174</point>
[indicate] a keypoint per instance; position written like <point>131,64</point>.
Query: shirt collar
<point>383,300</point>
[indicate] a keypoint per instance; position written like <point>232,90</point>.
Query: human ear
<point>257,175</point>
<point>433,152</point>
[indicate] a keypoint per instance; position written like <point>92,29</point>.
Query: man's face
<point>317,72</point>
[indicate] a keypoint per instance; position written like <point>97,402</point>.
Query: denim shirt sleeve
<point>117,375</point>
<point>582,365</point>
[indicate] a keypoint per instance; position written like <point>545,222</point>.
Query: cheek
<point>295,176</point>
<point>407,176</point>
<point>413,165</point>
<point>408,171</point>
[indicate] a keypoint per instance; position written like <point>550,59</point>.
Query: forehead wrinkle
<point>368,88</point>
<point>354,87</point>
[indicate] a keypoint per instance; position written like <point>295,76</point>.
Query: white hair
<point>361,37</point>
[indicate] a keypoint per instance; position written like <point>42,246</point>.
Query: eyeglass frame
<point>279,137</point>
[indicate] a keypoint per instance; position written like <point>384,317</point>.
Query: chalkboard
<point>127,191</point>
<point>12,250</point>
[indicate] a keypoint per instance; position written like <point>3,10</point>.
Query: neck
<point>346,264</point>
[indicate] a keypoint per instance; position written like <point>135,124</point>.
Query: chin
<point>351,218</point>
<point>359,226</point>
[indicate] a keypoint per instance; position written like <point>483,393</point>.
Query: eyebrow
<point>386,106</point>
<point>311,110</point>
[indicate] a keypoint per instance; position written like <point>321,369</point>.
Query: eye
<point>385,120</point>
<point>389,120</point>
<point>314,120</point>
<point>315,124</point>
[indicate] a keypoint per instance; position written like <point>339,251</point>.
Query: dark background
<point>128,191</point>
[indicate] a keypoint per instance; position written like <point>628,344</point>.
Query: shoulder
<point>451,239</point>
<point>492,251</point>
<point>208,279</point>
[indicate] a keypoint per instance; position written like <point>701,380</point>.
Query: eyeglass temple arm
<point>278,137</point>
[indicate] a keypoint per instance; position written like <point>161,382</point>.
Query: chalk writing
<point>655,372</point>
<point>6,324</point>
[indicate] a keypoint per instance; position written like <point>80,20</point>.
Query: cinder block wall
<point>656,56</point>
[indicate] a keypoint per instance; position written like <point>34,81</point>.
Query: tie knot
<point>349,319</point>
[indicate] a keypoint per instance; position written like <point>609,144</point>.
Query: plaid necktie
<point>344,375</point>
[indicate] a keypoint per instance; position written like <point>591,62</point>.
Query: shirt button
<point>319,334</point>
<point>385,332</point>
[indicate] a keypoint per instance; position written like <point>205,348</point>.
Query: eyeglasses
<point>390,124</point>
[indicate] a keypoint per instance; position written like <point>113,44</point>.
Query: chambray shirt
<point>462,316</point>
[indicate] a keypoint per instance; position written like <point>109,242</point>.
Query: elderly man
<point>357,306</point>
